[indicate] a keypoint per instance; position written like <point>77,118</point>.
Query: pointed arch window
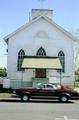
<point>21,55</point>
<point>61,56</point>
<point>41,52</point>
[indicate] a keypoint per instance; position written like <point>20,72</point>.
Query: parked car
<point>47,91</point>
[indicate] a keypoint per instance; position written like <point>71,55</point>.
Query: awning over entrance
<point>43,63</point>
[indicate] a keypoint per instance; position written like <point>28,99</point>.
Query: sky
<point>15,13</point>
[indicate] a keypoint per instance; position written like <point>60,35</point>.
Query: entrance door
<point>40,73</point>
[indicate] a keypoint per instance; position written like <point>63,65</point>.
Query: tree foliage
<point>3,72</point>
<point>77,72</point>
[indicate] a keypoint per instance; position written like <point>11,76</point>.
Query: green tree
<point>77,72</point>
<point>3,72</point>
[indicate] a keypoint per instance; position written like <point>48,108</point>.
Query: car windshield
<point>58,86</point>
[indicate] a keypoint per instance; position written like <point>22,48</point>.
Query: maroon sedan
<point>47,91</point>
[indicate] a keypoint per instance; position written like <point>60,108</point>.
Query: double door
<point>40,73</point>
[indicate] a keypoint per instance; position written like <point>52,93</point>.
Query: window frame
<point>61,57</point>
<point>41,52</point>
<point>21,55</point>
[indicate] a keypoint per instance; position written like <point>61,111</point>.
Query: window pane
<point>41,52</point>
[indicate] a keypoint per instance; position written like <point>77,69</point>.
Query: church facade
<point>40,38</point>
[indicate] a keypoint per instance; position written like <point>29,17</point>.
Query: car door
<point>47,91</point>
<point>39,91</point>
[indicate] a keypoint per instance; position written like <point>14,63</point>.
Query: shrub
<point>6,90</point>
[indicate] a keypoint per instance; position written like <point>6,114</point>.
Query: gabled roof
<point>47,19</point>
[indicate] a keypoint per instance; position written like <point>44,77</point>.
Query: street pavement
<point>13,109</point>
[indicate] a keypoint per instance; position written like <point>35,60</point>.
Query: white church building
<point>40,52</point>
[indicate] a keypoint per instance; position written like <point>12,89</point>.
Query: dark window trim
<point>61,56</point>
<point>21,55</point>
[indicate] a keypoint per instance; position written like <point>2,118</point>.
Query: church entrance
<point>40,73</point>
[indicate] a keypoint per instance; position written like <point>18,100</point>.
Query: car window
<point>50,86</point>
<point>54,87</point>
<point>40,85</point>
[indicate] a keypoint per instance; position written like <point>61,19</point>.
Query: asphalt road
<point>38,110</point>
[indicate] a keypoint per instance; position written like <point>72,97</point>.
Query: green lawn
<point>5,95</point>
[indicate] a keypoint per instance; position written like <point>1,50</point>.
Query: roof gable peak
<point>34,20</point>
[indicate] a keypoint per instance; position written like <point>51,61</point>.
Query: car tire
<point>64,98</point>
<point>25,98</point>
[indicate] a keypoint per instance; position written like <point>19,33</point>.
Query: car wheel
<point>24,98</point>
<point>64,98</point>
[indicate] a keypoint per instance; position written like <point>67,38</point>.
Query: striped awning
<point>42,63</point>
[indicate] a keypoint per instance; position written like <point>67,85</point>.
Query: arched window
<point>61,56</point>
<point>21,55</point>
<point>41,52</point>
